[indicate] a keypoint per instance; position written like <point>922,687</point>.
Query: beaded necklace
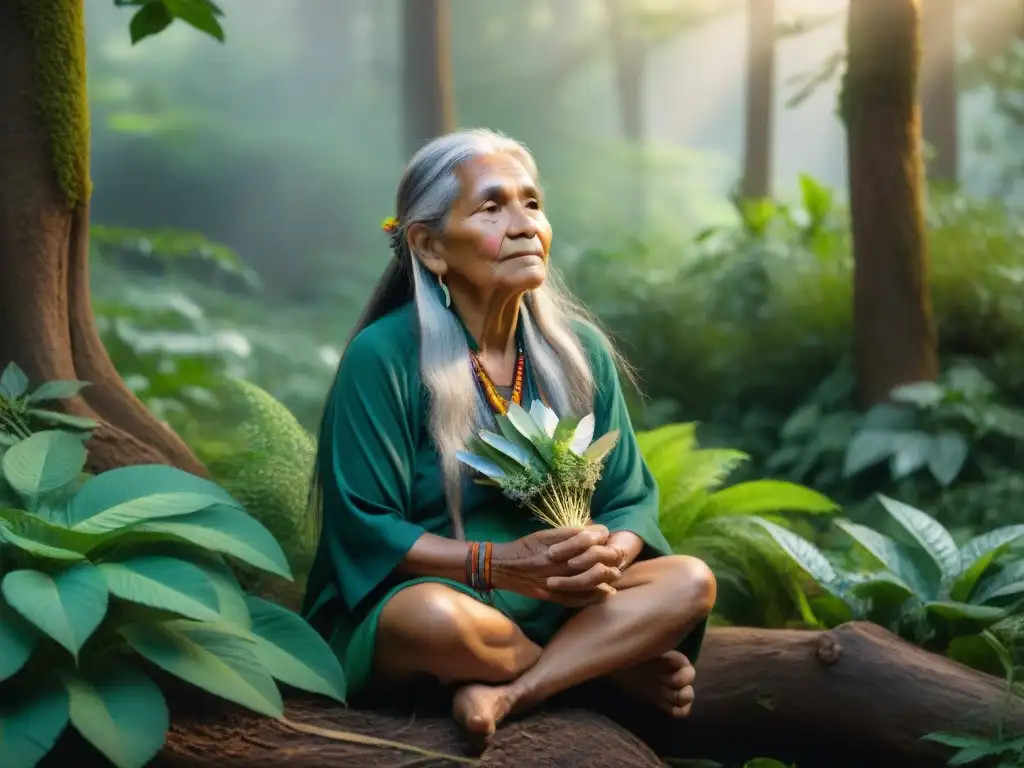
<point>497,402</point>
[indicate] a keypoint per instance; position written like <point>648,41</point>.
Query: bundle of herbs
<point>548,465</point>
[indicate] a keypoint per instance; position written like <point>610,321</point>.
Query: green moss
<point>57,28</point>
<point>270,477</point>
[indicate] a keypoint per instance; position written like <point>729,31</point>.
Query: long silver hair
<point>427,191</point>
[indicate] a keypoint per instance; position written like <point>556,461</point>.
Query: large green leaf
<point>946,456</point>
<point>219,660</point>
<point>119,711</point>
<point>929,533</point>
<point>165,583</point>
<point>31,724</point>
<point>127,484</point>
<point>964,618</point>
<point>227,531</point>
<point>156,506</point>
<point>293,652</point>
<point>867,448</point>
<point>1008,581</point>
<point>759,497</point>
<point>30,533</point>
<point>886,590</point>
<point>17,641</point>
<point>231,603</point>
<point>678,437</point>
<point>62,420</point>
<point>802,552</point>
<point>892,555</point>
<point>522,421</point>
<point>68,606</point>
<point>977,555</point>
<point>43,463</point>
<point>910,452</point>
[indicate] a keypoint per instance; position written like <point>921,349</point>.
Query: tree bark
<point>893,327</point>
<point>428,90</point>
<point>757,155</point>
<point>853,696</point>
<point>939,93</point>
<point>46,321</point>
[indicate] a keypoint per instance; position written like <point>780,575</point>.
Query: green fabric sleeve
<point>369,441</point>
<point>626,497</point>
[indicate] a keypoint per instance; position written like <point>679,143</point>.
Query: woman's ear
<point>425,245</point>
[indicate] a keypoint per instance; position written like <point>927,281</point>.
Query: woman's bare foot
<point>665,682</point>
<point>478,709</point>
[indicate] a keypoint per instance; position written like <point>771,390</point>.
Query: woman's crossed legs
<point>630,637</point>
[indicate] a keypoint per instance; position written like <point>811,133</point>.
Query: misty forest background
<point>695,165</point>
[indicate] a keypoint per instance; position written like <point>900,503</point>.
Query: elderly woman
<point>466,319</point>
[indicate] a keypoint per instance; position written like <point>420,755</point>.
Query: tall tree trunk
<point>893,327</point>
<point>757,155</point>
<point>46,321</point>
<point>939,88</point>
<point>629,56</point>
<point>428,90</point>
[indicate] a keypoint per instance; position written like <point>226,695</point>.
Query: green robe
<point>383,489</point>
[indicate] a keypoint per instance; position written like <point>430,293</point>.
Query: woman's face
<point>497,238</point>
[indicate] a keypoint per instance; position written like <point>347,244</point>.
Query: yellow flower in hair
<point>390,225</point>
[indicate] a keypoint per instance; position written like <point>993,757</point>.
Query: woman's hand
<point>566,565</point>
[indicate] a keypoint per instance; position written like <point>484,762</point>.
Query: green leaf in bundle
<point>67,606</point>
<point>583,434</point>
<point>43,463</point>
<point>504,448</point>
<point>216,659</point>
<point>544,417</point>
<point>514,436</point>
<point>523,423</point>
<point>31,724</point>
<point>119,711</point>
<point>566,428</point>
<point>165,583</point>
<point>296,655</point>
<point>601,447</point>
<point>484,466</point>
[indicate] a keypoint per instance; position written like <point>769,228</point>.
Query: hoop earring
<point>444,290</point>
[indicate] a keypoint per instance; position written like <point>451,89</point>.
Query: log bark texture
<point>853,696</point>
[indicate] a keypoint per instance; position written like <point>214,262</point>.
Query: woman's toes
<point>682,677</point>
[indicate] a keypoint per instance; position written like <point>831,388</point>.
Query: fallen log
<point>852,696</point>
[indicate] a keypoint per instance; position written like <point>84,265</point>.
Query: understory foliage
<point>702,517</point>
<point>918,583</point>
<point>105,578</point>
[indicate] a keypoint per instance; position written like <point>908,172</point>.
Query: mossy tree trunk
<point>894,330</point>
<point>428,95</point>
<point>760,96</point>
<point>46,320</point>
<point>939,88</point>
